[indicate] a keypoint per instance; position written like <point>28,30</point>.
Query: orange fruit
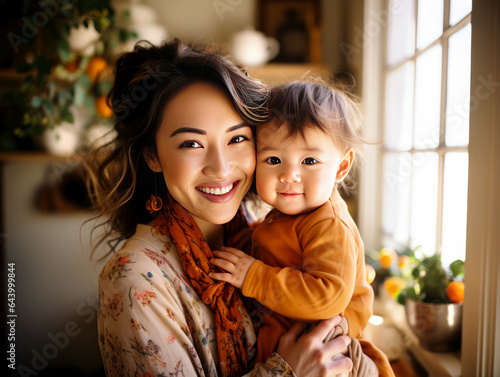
<point>393,285</point>
<point>370,273</point>
<point>72,66</point>
<point>404,261</point>
<point>455,291</point>
<point>386,257</point>
<point>102,108</point>
<point>95,67</point>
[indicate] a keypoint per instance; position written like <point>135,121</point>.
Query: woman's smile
<point>218,193</point>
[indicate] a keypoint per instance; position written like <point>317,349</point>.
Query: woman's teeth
<point>216,191</point>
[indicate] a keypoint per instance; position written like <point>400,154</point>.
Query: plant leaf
<point>27,82</point>
<point>24,67</point>
<point>43,65</point>
<point>63,49</point>
<point>49,107</point>
<point>79,95</point>
<point>67,116</point>
<point>36,102</point>
<point>63,98</point>
<point>457,267</point>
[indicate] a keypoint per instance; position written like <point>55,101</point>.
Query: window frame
<point>441,149</point>
<point>481,322</point>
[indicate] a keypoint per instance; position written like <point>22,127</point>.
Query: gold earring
<point>154,204</point>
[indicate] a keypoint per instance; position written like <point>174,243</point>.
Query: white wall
<point>204,21</point>
<point>56,287</point>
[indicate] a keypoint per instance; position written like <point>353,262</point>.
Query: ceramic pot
<point>142,20</point>
<point>65,138</point>
<point>82,40</point>
<point>438,327</point>
<point>62,140</point>
<point>253,48</point>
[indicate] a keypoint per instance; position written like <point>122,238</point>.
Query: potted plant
<point>66,69</point>
<point>432,295</point>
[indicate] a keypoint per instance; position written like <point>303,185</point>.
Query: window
<point>481,335</point>
<point>426,125</point>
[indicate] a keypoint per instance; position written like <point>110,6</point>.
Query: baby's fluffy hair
<point>315,103</point>
<point>329,107</point>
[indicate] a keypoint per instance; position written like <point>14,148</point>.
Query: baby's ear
<point>345,165</point>
<point>152,161</point>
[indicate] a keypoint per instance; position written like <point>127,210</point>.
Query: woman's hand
<point>308,356</point>
<point>236,264</point>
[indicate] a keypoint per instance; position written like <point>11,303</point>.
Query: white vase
<point>62,140</point>
<point>65,138</point>
<point>253,48</point>
<point>82,40</point>
<point>142,20</point>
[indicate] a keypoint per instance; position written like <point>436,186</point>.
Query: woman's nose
<point>217,164</point>
<point>290,174</point>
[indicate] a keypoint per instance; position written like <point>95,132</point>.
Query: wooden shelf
<point>36,156</point>
<point>10,75</point>
<point>281,73</point>
<point>446,364</point>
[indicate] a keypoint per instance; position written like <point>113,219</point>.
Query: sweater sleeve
<point>142,325</point>
<point>323,285</point>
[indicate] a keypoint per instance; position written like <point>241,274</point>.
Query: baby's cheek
<point>264,184</point>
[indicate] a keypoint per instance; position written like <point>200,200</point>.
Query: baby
<point>307,260</point>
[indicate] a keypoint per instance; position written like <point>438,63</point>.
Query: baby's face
<point>295,174</point>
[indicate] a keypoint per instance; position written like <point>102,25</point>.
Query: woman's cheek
<point>247,161</point>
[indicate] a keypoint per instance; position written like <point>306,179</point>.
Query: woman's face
<point>206,153</point>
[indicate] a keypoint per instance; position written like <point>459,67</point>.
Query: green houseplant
<point>66,63</point>
<point>432,295</point>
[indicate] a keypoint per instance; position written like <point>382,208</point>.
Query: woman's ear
<point>152,161</point>
<point>345,165</point>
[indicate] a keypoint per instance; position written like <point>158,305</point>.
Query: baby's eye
<point>309,161</point>
<point>273,160</point>
<point>190,144</point>
<point>238,139</point>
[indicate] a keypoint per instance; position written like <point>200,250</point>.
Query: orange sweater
<point>310,267</point>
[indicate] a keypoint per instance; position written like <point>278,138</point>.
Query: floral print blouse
<point>152,323</point>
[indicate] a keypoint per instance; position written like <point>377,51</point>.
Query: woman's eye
<point>238,139</point>
<point>309,161</point>
<point>273,160</point>
<point>190,144</point>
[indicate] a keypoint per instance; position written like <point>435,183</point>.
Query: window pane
<point>401,31</point>
<point>430,22</point>
<point>399,108</point>
<point>396,196</point>
<point>456,167</point>
<point>459,9</point>
<point>424,201</point>
<point>427,99</point>
<point>458,93</point>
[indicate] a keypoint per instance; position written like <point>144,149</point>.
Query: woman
<point>185,147</point>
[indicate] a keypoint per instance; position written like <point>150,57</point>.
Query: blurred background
<point>409,61</point>
<point>67,48</point>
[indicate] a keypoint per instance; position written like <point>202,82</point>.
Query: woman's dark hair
<point>146,79</point>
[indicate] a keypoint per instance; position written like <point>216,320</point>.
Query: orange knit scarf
<point>222,297</point>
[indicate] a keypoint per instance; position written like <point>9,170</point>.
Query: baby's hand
<point>236,264</point>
